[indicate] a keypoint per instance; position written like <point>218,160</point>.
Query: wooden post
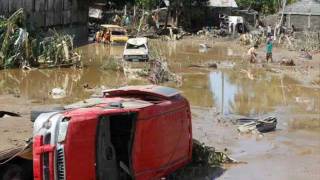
<point>309,21</point>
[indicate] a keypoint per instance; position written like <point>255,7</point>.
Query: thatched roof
<point>304,7</point>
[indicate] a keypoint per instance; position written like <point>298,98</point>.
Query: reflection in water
<point>229,90</point>
<point>224,92</point>
<point>235,93</point>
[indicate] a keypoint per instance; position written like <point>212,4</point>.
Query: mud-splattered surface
<point>235,89</point>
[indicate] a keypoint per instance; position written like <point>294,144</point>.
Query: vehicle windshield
<point>118,33</point>
<point>131,46</point>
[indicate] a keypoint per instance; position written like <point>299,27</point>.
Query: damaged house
<point>304,14</point>
<point>218,8</point>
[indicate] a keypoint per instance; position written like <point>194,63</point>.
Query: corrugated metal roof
<point>223,3</point>
<point>304,7</point>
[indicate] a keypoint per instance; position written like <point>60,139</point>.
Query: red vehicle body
<point>137,132</point>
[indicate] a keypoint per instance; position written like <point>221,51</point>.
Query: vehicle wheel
<point>13,172</point>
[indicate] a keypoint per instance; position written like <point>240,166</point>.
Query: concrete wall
<point>64,15</point>
<point>301,22</point>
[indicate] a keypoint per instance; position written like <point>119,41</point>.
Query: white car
<point>136,49</point>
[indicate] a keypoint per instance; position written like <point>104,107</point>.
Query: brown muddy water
<point>228,90</point>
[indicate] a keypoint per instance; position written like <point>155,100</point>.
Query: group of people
<point>269,46</point>
<point>103,36</point>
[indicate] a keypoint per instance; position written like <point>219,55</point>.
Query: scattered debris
<point>159,72</point>
<point>4,114</point>
<point>207,65</point>
<point>205,159</point>
<point>57,93</point>
<point>287,62</point>
<point>249,73</point>
<point>208,156</point>
<point>305,55</point>
<point>252,38</point>
<point>247,125</point>
<point>156,70</point>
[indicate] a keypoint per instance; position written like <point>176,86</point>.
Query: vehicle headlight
<point>63,128</point>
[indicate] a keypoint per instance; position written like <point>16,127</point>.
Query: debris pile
<point>19,49</point>
<point>287,62</point>
<point>159,72</point>
<point>252,38</point>
<point>208,156</point>
<point>307,41</point>
<point>247,125</point>
<point>113,63</point>
<point>205,161</point>
<point>156,70</point>
<point>57,51</point>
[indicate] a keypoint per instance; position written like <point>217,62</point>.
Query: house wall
<point>63,15</point>
<point>301,22</point>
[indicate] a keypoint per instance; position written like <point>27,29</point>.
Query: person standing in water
<point>269,48</point>
<point>253,54</point>
<point>269,31</point>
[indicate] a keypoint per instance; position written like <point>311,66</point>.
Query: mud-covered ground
<point>235,89</point>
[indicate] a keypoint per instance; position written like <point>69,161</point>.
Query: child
<point>269,50</point>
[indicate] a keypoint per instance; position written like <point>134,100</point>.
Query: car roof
<point>137,41</point>
<point>152,90</point>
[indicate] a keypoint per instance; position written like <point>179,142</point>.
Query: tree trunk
<point>278,26</point>
<point>167,16</point>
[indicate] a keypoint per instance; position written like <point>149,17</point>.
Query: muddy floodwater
<point>227,90</point>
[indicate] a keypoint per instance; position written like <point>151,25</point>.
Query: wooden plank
<point>50,18</point>
<point>38,19</point>
<point>58,18</point>
<point>28,5</point>
<point>75,5</point>
<point>66,17</point>
<point>4,7</point>
<point>50,5</point>
<point>40,5</point>
<point>83,17</point>
<point>67,4</point>
<point>58,5</point>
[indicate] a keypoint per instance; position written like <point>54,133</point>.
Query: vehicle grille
<point>60,164</point>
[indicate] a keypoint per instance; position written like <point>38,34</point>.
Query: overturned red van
<point>134,132</point>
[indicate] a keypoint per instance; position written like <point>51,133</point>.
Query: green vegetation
<point>19,47</point>
<point>263,6</point>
